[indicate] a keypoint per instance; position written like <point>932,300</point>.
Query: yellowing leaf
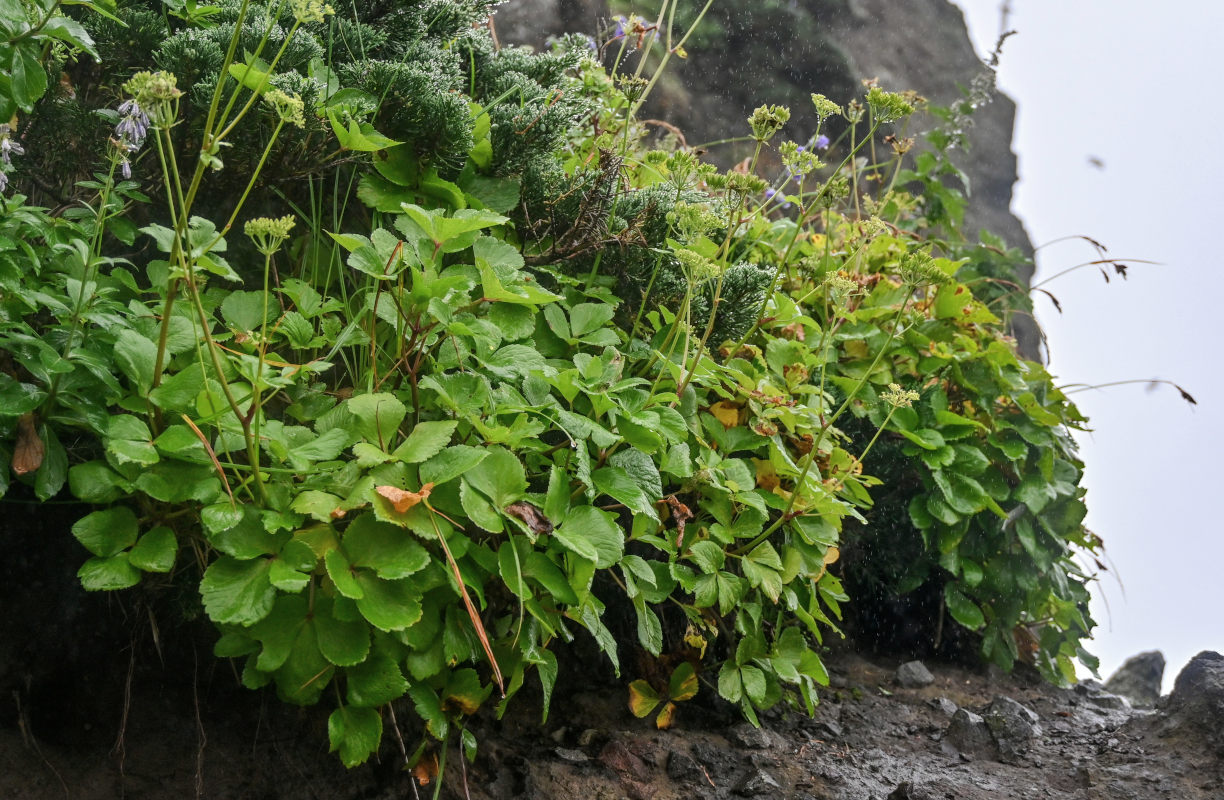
<point>725,413</point>
<point>664,720</point>
<point>403,499</point>
<point>767,476</point>
<point>642,698</point>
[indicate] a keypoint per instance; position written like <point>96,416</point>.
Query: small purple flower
<point>125,168</point>
<point>133,125</point>
<point>9,148</point>
<point>821,143</point>
<point>771,192</point>
<point>619,33</point>
<point>3,181</point>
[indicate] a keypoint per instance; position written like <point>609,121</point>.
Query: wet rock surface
<point>966,736</point>
<point>1139,678</point>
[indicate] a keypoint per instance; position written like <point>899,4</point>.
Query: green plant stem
<point>790,246</point>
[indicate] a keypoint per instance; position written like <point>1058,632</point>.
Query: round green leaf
<point>388,605</point>
<point>375,681</point>
<point>342,642</point>
<point>107,532</point>
<point>237,592</point>
<point>115,572</point>
<point>156,550</point>
<point>355,733</point>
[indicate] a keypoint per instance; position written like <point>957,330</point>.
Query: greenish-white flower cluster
<point>898,397</point>
<point>268,233</point>
<point>307,11</point>
<point>288,107</point>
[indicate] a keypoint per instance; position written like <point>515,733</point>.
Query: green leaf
<point>316,505</point>
<point>105,533</point>
<point>237,592</point>
<point>179,392</point>
<point>500,477</point>
<point>108,574</point>
<point>354,733</point>
<point>515,322</point>
<point>539,568</point>
<point>586,317</point>
<point>730,684</point>
<point>593,534</point>
<point>253,74</point>
<point>649,629</point>
<point>378,417</point>
<point>155,551</point>
<point>621,486</point>
<point>136,356</point>
<point>641,468</point>
<point>129,441</point>
<point>342,642</point>
<point>50,477</point>
<point>755,686</point>
<point>478,509</point>
<point>388,550</point>
<point>67,29</point>
<point>388,605</point>
<point>342,574</point>
<point>245,539</point>
<point>510,568</point>
<point>95,482</point>
<point>962,609</point>
<point>425,441</point>
<point>324,447</point>
<point>375,682</point>
<point>451,463</point>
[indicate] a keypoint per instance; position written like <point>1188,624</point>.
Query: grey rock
<point>826,729</point>
<point>1138,679</point>
<point>1109,702</point>
<point>915,791</point>
<point>1196,705</point>
<point>1013,727</point>
<point>757,783</point>
<point>684,768</point>
<point>914,675</point>
<point>943,704</point>
<point>968,735</point>
<point>750,737</point>
<point>572,756</point>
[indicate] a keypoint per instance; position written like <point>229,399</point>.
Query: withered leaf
<point>28,456</point>
<point>402,499</point>
<point>533,517</point>
<point>680,513</point>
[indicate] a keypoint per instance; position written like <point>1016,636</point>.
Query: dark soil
<point>102,698</point>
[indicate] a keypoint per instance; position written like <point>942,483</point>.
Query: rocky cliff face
<point>780,52</point>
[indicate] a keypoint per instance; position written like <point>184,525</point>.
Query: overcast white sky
<point>1138,88</point>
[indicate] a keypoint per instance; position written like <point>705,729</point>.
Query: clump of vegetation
<point>459,367</point>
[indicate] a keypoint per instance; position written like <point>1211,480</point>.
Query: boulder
<point>968,735</point>
<point>914,675</point>
<point>1196,706</point>
<point>1138,679</point>
<point>1012,726</point>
